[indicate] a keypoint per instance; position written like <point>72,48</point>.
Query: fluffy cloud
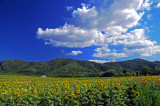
<point>111,55</point>
<point>69,8</point>
<point>70,36</point>
<point>135,38</point>
<point>122,14</point>
<point>75,53</point>
<point>145,52</point>
<point>146,5</point>
<point>85,11</point>
<point>158,5</point>
<point>105,24</point>
<point>99,61</point>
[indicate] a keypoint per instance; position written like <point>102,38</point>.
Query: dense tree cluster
<point>76,68</point>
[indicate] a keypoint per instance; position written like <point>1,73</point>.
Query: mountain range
<point>62,67</point>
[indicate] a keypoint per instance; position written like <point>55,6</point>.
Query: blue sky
<point>100,31</point>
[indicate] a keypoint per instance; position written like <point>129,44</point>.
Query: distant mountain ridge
<point>63,67</point>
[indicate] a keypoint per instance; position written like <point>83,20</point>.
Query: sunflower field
<point>117,91</point>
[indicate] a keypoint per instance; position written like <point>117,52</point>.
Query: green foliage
<point>155,70</point>
<point>115,91</point>
<point>145,70</point>
<point>110,73</point>
<point>76,68</point>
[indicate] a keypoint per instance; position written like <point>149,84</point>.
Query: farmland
<point>26,90</point>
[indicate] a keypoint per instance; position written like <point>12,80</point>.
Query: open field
<point>24,90</point>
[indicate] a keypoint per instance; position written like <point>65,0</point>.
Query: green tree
<point>145,70</point>
<point>110,73</point>
<point>156,70</point>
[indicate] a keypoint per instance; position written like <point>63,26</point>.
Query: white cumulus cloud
<point>75,53</point>
<point>135,38</point>
<point>70,36</point>
<point>147,4</point>
<point>99,61</point>
<point>103,24</point>
<point>158,5</point>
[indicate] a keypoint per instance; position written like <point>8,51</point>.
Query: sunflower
<point>137,94</point>
<point>72,95</point>
<point>17,94</point>
<point>78,91</point>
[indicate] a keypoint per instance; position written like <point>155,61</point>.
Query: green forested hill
<point>69,67</point>
<point>133,65</point>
